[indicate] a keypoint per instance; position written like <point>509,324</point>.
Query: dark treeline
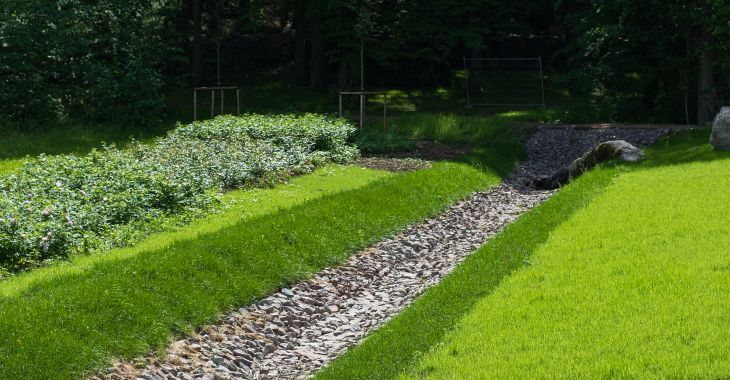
<point>648,60</point>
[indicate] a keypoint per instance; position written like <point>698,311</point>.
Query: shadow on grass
<point>501,155</point>
<point>682,147</point>
<point>72,138</point>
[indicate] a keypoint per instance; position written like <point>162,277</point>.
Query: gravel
<point>298,330</point>
<point>551,149</point>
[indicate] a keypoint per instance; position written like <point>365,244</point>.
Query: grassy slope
<point>62,325</point>
<point>635,285</point>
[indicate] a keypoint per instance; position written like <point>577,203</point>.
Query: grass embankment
<point>61,321</point>
<point>630,281</point>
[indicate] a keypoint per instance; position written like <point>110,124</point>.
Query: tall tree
<point>317,62</point>
<point>642,55</point>
<point>300,41</point>
<point>707,102</point>
<point>197,43</point>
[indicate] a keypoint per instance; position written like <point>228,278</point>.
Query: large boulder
<point>602,152</point>
<point>720,137</point>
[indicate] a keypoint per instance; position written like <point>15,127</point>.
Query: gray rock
<point>720,138</point>
<point>603,152</point>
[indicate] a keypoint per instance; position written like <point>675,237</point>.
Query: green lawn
<point>624,273</point>
<point>635,285</point>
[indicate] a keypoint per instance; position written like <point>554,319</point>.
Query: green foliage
<point>60,205</point>
<point>73,58</point>
<point>641,57</point>
<point>415,42</point>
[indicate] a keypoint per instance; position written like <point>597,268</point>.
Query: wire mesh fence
<point>504,82</point>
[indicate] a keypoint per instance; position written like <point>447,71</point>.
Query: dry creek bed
<point>298,330</point>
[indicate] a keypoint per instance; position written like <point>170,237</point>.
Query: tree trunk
<point>244,13</point>
<point>300,39</point>
<point>197,43</point>
<point>362,64</point>
<point>317,66</point>
<point>342,75</point>
<point>706,92</point>
<point>473,79</point>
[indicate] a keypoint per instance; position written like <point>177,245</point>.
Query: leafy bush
<point>60,205</point>
<point>73,58</point>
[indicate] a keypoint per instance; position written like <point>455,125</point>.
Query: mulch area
<point>392,164</point>
<point>419,157</point>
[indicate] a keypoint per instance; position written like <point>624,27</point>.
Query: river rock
<point>720,137</point>
<point>602,152</point>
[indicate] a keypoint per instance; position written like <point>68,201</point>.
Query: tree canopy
<point>649,60</point>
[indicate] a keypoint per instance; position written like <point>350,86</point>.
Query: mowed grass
<point>635,285</point>
<point>62,322</point>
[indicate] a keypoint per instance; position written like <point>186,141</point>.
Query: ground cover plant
<point>61,325</point>
<point>60,205</point>
<point>558,294</point>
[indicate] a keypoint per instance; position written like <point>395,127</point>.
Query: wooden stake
<point>362,108</point>
<point>385,113</point>
<point>212,103</point>
<point>195,105</point>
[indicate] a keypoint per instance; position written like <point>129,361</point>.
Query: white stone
<point>720,137</point>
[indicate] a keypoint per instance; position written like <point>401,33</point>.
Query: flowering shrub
<point>60,205</point>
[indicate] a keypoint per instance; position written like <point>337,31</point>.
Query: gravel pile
<point>298,330</point>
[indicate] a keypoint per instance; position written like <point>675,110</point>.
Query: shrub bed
<point>60,205</point>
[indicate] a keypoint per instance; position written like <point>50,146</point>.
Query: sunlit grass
<point>7,166</point>
<point>634,285</point>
